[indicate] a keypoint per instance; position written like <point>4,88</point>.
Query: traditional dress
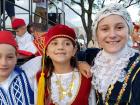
<point>39,42</point>
<point>16,89</point>
<point>25,43</point>
<point>116,77</point>
<point>73,89</point>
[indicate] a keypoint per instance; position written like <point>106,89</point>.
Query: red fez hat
<point>6,37</point>
<point>60,30</point>
<point>18,23</point>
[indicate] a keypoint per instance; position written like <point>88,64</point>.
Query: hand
<point>84,69</point>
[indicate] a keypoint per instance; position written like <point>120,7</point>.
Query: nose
<point>3,61</point>
<point>60,46</point>
<point>112,34</point>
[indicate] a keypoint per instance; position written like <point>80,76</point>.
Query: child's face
<point>20,31</point>
<point>60,50</point>
<point>112,35</point>
<point>8,60</point>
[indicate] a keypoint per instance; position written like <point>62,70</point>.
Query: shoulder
<point>28,35</point>
<point>32,65</point>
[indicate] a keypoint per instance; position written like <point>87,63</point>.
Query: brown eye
<point>11,56</point>
<point>104,29</point>
<point>54,43</point>
<point>120,27</point>
<point>67,43</point>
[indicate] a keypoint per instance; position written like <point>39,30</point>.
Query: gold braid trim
<point>40,44</point>
<point>97,98</point>
<point>109,93</point>
<point>126,80</point>
<point>124,84</point>
<point>132,81</point>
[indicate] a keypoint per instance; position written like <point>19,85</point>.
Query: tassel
<point>41,85</point>
<point>41,90</point>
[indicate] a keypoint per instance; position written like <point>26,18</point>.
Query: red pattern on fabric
<point>83,94</point>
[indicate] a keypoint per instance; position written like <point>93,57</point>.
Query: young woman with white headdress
<point>116,68</point>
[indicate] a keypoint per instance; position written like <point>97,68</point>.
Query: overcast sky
<point>70,16</point>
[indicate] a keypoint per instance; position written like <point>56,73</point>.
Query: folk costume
<point>62,89</point>
<point>25,42</point>
<point>76,89</point>
<point>39,42</point>
<point>115,76</point>
<point>118,83</point>
<point>16,89</point>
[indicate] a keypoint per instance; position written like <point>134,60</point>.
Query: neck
<point>62,68</point>
<point>117,55</point>
<point>2,79</point>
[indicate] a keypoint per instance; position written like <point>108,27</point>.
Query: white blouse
<point>66,80</point>
<point>109,68</point>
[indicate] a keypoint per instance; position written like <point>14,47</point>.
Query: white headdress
<point>116,9</point>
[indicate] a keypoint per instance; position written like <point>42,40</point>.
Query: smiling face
<point>8,60</point>
<point>112,33</point>
<point>60,50</point>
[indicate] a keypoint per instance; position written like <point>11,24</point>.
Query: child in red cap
<point>64,85</point>
<point>14,84</point>
<point>23,38</point>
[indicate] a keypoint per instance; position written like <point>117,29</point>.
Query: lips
<point>60,53</point>
<point>3,69</point>
<point>112,42</point>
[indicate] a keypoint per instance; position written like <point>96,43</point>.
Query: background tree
<point>90,7</point>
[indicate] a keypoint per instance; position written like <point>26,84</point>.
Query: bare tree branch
<point>75,2</point>
<point>120,1</point>
<point>103,3</point>
<point>72,9</point>
<point>93,7</point>
<point>130,3</point>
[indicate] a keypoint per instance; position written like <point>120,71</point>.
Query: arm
<point>31,67</point>
<point>85,59</point>
<point>84,69</point>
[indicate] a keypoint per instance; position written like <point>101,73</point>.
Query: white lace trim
<point>109,68</point>
<point>65,81</point>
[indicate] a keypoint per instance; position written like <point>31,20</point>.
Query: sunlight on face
<point>112,35</point>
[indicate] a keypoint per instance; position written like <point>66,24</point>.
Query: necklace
<point>61,90</point>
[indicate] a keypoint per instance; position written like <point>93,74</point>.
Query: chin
<point>113,50</point>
